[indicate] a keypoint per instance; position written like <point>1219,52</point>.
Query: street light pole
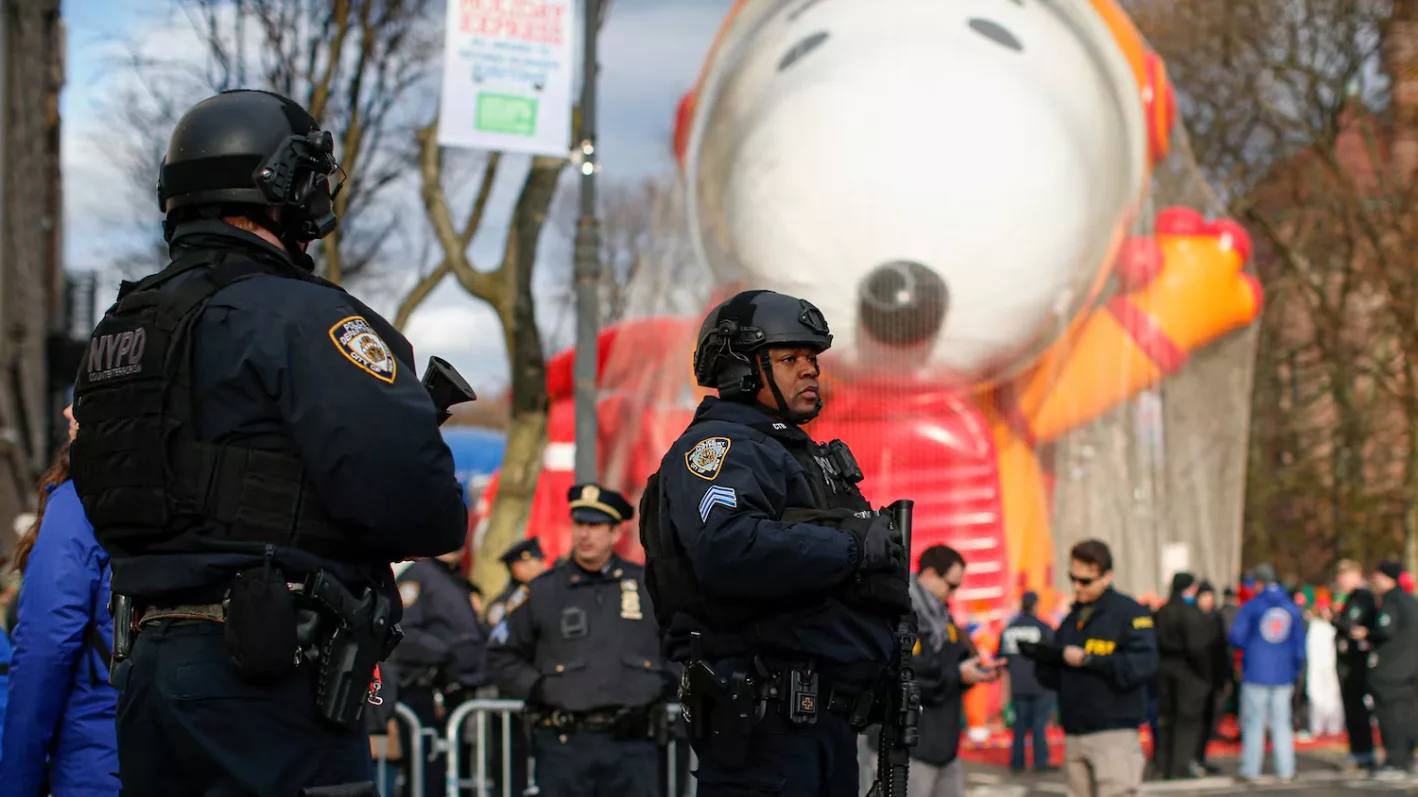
<point>588,257</point>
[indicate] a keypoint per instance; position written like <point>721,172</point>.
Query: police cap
<point>530,548</point>
<point>592,503</point>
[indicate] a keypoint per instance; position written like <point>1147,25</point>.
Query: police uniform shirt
<point>297,366</point>
<point>582,640</point>
<point>442,635</point>
<point>727,484</point>
<point>1109,692</point>
<point>1358,611</point>
<point>525,550</point>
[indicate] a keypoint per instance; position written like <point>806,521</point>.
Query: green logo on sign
<point>505,113</point>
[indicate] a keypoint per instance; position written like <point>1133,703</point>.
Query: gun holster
<point>721,712</point>
<point>357,635</point>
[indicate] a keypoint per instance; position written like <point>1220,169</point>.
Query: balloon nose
<point>903,302</point>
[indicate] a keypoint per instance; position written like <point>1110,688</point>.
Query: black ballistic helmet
<point>751,323</point>
<point>248,153</point>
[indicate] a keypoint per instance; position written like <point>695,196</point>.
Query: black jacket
<point>1393,665</point>
<point>1185,638</point>
<point>728,483</point>
<point>1024,628</point>
<point>1109,692</point>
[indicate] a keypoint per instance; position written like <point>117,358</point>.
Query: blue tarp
<point>477,453</point>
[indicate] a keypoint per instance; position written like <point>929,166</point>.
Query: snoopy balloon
<point>962,186</point>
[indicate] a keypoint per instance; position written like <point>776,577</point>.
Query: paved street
<point>1317,778</point>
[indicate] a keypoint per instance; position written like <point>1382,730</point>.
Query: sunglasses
<point>1081,581</point>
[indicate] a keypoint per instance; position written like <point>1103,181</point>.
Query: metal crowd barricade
<point>478,785</point>
<point>414,755</point>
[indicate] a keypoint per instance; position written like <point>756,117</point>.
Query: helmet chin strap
<point>783,410</point>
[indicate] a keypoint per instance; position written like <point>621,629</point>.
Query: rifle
<point>446,387</point>
<point>903,697</point>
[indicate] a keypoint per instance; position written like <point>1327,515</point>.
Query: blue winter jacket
<point>1270,631</point>
<point>61,706</point>
<point>5,656</point>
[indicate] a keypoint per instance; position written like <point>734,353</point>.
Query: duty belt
<point>626,721</point>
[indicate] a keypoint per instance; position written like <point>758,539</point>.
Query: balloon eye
<point>996,33</point>
<point>802,48</point>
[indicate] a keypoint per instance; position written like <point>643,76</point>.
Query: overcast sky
<point>650,50</point>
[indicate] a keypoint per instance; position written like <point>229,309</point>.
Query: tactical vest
<point>146,483</point>
<point>832,474</point>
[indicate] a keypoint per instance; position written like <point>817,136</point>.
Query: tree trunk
<point>527,433</point>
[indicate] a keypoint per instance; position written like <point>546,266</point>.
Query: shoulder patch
<point>408,593</point>
<point>517,598</point>
<point>707,457</point>
<point>495,613</point>
<point>1141,622</point>
<point>361,345</point>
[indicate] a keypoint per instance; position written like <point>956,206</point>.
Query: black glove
<point>878,545</point>
<point>880,592</point>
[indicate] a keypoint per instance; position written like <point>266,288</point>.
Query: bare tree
<point>359,66</point>
<point>646,253</point>
<point>1303,114</point>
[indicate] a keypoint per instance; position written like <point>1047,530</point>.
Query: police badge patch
<point>408,593</point>
<point>361,345</point>
<point>707,456</point>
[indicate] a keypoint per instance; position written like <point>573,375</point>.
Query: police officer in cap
<point>525,561</point>
<point>254,449</point>
<point>767,565</point>
<point>583,650</point>
<point>443,656</point>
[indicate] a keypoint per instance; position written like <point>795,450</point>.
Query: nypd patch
<point>408,593</point>
<point>707,457</point>
<point>361,345</point>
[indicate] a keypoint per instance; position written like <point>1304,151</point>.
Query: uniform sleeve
<point>55,611</point>
<point>420,647</point>
<point>511,651</point>
<point>1134,660</point>
<point>369,437</point>
<point>736,547</point>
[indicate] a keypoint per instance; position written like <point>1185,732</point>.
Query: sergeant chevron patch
<point>718,494</point>
<point>361,345</point>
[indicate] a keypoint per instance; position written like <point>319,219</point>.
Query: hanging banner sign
<point>508,76</point>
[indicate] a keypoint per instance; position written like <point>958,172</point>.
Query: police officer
<point>1393,670</point>
<point>1359,610</point>
<point>583,650</point>
<point>775,579</point>
<point>1103,655</point>
<point>525,561</point>
<point>443,656</point>
<point>254,448</point>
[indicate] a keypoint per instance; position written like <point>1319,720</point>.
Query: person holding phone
<point>946,664</point>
